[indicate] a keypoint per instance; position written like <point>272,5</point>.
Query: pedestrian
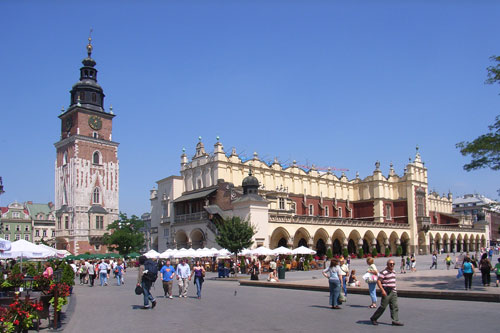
<point>402,265</point>
<point>254,271</point>
<point>183,273</point>
<point>497,271</point>
<point>371,279</point>
<point>413,263</point>
<point>167,273</point>
<point>448,262</point>
<point>103,273</point>
<point>408,264</point>
<point>468,271</point>
<point>434,261</point>
<point>199,277</point>
<point>332,273</point>
<point>353,280</point>
<point>48,272</point>
<point>490,254</point>
<point>272,272</point>
<point>146,268</point>
<point>485,268</point>
<point>387,285</point>
<point>91,272</point>
<point>118,271</point>
<point>344,273</point>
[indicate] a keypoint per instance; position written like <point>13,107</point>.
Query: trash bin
<point>281,272</point>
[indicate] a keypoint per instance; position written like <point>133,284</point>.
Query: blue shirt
<point>467,267</point>
<point>167,272</point>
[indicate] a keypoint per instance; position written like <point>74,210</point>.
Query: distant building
<point>146,230</point>
<point>476,207</point>
<point>16,222</point>
<point>294,205</point>
<point>43,218</point>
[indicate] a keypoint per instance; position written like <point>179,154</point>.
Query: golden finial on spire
<point>89,45</point>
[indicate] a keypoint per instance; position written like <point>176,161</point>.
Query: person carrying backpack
<point>148,272</point>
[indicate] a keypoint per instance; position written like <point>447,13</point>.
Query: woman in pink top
<point>49,272</point>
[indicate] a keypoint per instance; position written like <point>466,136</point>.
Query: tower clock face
<point>68,123</point>
<point>95,123</point>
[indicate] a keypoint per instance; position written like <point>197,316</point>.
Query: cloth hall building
<point>320,210</point>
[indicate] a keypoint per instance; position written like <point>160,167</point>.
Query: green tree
<point>329,253</point>
<point>235,234</point>
<point>485,149</point>
<point>126,235</point>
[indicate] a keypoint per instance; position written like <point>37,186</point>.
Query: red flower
<point>16,322</point>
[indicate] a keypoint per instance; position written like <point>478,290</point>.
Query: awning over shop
<point>197,195</point>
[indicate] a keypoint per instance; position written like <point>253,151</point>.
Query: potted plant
<point>19,316</point>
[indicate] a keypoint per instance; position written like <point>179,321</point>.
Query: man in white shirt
<point>103,273</point>
<point>183,273</point>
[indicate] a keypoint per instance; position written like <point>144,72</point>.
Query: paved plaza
<point>228,307</point>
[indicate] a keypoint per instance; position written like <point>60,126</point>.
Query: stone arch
<point>466,243</point>
<point>368,239</point>
<point>181,239</point>
<point>453,243</point>
<point>437,242</point>
<point>339,242</point>
<point>320,241</point>
<point>405,243</point>
<point>198,239</point>
<point>422,245</point>
<point>478,243</point>
<point>301,238</point>
<point>382,241</point>
<point>353,241</point>
<point>446,243</point>
<point>277,237</point>
<point>471,246</point>
<point>483,241</point>
<point>394,242</point>
<point>459,243</point>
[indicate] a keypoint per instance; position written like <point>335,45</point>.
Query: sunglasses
<point>391,264</point>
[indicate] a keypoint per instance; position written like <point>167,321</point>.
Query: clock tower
<point>86,167</point>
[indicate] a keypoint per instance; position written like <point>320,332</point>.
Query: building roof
<point>98,209</point>
<point>197,195</point>
<point>36,208</point>
<point>473,198</point>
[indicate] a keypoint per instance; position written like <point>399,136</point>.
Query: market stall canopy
<point>4,245</point>
<point>282,251</point>
<point>25,249</point>
<point>262,251</point>
<point>168,254</point>
<point>303,250</point>
<point>152,254</point>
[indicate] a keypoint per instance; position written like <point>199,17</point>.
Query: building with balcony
<point>297,205</point>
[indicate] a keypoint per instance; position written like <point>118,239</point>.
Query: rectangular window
<point>166,233</point>
<point>18,228</point>
<point>326,211</point>
<point>66,222</point>
<point>53,233</point>
<point>340,211</point>
<point>16,215</point>
<point>281,203</point>
<point>99,222</point>
<point>44,234</point>
<point>388,212</point>
<point>165,210</point>
<point>27,238</point>
<point>59,223</point>
<point>7,236</point>
<point>37,233</point>
<point>18,237</point>
<point>311,210</point>
<point>420,205</point>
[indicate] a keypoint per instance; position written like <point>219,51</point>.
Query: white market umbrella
<point>152,254</point>
<point>24,249</point>
<point>223,253</point>
<point>245,253</point>
<point>48,248</point>
<point>5,245</point>
<point>303,250</point>
<point>282,251</point>
<point>262,251</point>
<point>203,253</point>
<point>168,254</point>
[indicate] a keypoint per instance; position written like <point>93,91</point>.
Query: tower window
<point>99,222</point>
<point>86,73</point>
<point>95,135</point>
<point>66,222</point>
<point>95,197</point>
<point>340,211</point>
<point>96,158</point>
<point>281,203</point>
<point>326,211</point>
<point>94,97</point>
<point>311,210</point>
<point>82,95</point>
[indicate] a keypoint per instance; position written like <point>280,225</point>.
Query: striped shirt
<point>388,279</point>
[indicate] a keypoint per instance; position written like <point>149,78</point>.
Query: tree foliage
<point>126,235</point>
<point>485,149</point>
<point>235,234</point>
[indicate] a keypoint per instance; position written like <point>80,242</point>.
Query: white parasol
<point>303,250</point>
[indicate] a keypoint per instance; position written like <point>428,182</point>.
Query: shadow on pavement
<point>136,307</point>
<point>320,306</point>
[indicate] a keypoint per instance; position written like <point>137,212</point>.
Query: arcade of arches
<point>322,238</point>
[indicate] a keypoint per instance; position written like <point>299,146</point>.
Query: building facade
<point>478,207</point>
<point>86,167</point>
<point>43,222</point>
<point>316,209</point>
<point>16,222</point>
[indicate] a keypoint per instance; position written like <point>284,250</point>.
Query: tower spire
<point>89,45</point>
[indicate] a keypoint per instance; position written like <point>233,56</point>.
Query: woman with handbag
<point>332,273</point>
<point>371,278</point>
<point>199,275</point>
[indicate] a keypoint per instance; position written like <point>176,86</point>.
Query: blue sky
<point>339,84</point>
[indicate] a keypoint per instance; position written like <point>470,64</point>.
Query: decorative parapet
<point>457,228</point>
<point>313,220</point>
<point>194,217</point>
